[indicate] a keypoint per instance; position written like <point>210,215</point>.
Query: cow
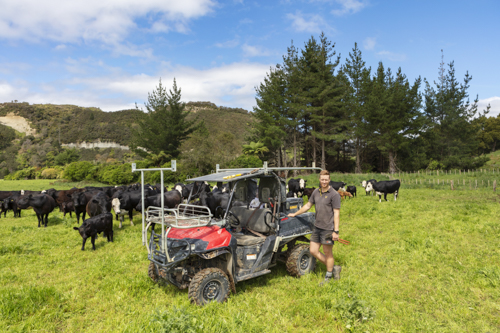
<point>351,189</point>
<point>384,187</point>
<point>127,201</point>
<point>10,203</point>
<point>95,225</point>
<point>67,207</point>
<point>99,204</point>
<point>42,204</point>
<point>308,191</point>
<point>170,200</point>
<point>193,189</point>
<point>65,196</point>
<point>344,194</point>
<point>80,201</point>
<point>297,186</point>
<point>365,182</point>
<point>6,194</point>
<point>337,185</point>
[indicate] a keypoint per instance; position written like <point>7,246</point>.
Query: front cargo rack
<point>184,216</point>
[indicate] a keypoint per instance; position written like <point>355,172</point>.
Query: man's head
<point>324,179</point>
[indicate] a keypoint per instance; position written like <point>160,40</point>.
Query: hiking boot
<point>336,272</point>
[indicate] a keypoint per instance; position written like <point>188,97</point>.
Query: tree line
<point>348,117</point>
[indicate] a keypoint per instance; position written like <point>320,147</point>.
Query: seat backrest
<point>254,219</point>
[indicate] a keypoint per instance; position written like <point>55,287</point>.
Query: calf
<point>67,207</point>
<point>42,204</point>
<point>337,185</point>
<point>308,191</point>
<point>80,201</point>
<point>10,203</point>
<point>344,194</point>
<point>95,225</point>
<point>352,190</point>
<point>384,187</point>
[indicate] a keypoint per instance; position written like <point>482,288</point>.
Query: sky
<point>110,54</point>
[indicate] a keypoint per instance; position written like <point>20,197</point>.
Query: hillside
<point>71,123</point>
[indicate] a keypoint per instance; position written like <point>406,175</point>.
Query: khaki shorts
<point>322,236</point>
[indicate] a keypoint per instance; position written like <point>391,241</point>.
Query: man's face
<point>324,181</point>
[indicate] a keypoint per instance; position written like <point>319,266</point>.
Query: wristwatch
<point>337,232</point>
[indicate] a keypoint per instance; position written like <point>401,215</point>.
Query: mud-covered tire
<point>300,261</point>
<point>209,285</point>
<point>153,272</point>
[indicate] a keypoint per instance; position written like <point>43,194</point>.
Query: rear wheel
<point>300,261</point>
<point>209,285</point>
<point>153,272</point>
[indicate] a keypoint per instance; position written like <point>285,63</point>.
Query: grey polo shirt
<point>324,204</point>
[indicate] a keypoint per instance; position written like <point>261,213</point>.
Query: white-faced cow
<point>385,187</point>
<point>297,186</point>
<point>365,182</point>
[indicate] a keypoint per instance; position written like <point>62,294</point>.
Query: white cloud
<point>228,85</point>
<point>254,51</point>
<point>369,43</point>
<point>311,23</point>
<point>494,103</point>
<point>108,21</point>
<point>349,7</point>
<point>228,44</point>
<point>392,56</point>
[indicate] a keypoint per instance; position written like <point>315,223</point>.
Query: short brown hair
<point>324,173</point>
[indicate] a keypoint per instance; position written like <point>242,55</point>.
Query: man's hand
<point>291,215</point>
<point>335,237</point>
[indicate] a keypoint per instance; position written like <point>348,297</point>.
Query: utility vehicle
<point>190,247</point>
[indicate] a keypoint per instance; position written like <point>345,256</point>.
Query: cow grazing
<point>385,187</point>
<point>99,204</point>
<point>308,191</point>
<point>95,225</point>
<point>365,182</point>
<point>297,186</point>
<point>351,189</point>
<point>42,204</point>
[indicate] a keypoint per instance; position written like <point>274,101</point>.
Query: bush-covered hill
<point>71,123</point>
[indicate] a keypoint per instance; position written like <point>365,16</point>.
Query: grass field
<point>426,263</point>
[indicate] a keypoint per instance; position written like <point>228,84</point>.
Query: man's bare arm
<point>304,209</point>
<point>336,223</point>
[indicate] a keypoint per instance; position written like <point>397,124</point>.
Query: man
<point>326,227</point>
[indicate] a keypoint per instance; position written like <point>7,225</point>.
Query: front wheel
<point>300,261</point>
<point>153,272</point>
<point>208,285</point>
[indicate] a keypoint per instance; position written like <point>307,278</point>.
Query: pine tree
<point>164,126</point>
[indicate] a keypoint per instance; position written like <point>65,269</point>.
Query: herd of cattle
<point>99,202</point>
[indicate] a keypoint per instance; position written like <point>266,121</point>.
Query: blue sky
<point>110,54</point>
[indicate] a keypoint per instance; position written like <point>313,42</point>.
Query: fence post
<point>452,185</point>
<point>476,185</point>
<point>494,186</point>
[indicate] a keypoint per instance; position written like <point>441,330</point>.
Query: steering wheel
<point>235,217</point>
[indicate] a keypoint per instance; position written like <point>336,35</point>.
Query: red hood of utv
<point>214,235</point>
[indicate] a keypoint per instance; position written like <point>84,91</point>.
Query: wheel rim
<point>304,262</point>
<point>212,290</point>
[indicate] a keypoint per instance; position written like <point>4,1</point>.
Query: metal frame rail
<point>173,168</point>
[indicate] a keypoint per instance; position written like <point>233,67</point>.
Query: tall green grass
<point>427,263</point>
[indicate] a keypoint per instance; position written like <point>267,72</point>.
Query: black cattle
<point>385,187</point>
<point>67,207</point>
<point>352,190</point>
<point>217,202</point>
<point>365,182</point>
<point>42,204</point>
<point>337,185</point>
<point>10,203</point>
<point>308,191</point>
<point>290,194</point>
<point>297,186</point>
<point>129,200</point>
<point>95,225</point>
<point>80,201</point>
<point>6,194</point>
<point>170,200</point>
<point>99,204</point>
<point>197,188</point>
